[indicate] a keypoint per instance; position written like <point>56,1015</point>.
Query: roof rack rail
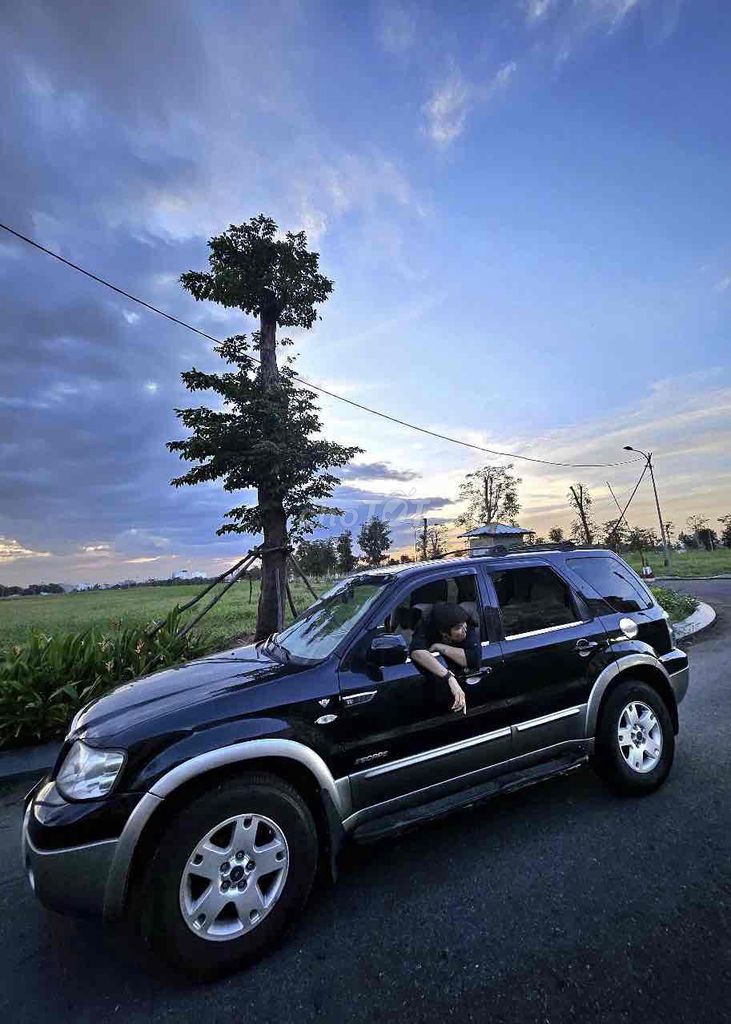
<point>501,551</point>
<point>562,545</point>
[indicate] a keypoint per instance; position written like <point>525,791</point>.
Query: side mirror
<point>388,649</point>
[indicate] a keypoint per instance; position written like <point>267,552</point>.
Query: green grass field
<point>686,563</point>
<point>234,616</point>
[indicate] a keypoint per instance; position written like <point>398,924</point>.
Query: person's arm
<point>467,655</point>
<point>430,664</point>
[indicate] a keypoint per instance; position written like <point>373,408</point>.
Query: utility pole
<point>666,550</point>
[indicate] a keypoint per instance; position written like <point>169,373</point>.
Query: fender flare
<point>337,792</point>
<point>605,677</point>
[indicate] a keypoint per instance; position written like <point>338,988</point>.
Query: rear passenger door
<point>550,648</point>
<point>612,589</point>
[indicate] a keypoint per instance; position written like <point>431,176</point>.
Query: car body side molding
<point>235,753</point>
<point>605,677</point>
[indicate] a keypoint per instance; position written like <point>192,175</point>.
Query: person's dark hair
<point>445,616</point>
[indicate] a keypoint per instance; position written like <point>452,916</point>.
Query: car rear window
<point>613,581</point>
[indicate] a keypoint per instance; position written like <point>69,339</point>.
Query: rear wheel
<point>232,870</point>
<point>635,741</point>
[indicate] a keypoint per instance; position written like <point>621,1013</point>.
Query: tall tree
<point>346,559</point>
<point>375,540</point>
<point>639,538</point>
<point>437,541</point>
<point>266,432</point>
<point>616,533</point>
<point>317,557</point>
<point>555,535</point>
<point>725,522</point>
<point>583,528</point>
<point>703,535</point>
<point>491,495</point>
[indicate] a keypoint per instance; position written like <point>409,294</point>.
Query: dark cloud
<point>122,124</point>
<point>377,471</point>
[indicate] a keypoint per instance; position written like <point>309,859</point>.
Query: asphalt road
<point>561,903</point>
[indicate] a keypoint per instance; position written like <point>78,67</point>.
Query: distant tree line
<point>32,591</point>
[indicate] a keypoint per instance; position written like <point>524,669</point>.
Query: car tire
<point>266,811</point>
<point>635,740</point>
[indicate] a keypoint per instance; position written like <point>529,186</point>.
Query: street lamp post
<point>666,550</point>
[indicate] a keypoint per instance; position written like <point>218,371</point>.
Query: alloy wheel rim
<point>233,877</point>
<point>640,737</point>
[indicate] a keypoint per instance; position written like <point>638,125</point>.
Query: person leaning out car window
<point>447,630</point>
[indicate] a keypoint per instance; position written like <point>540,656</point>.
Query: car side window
<point>610,579</point>
<point>416,605</point>
<point>533,598</point>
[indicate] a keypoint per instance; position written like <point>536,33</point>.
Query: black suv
<point>200,800</point>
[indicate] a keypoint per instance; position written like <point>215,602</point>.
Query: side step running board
<point>399,821</point>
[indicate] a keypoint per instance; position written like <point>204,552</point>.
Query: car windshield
<point>317,631</point>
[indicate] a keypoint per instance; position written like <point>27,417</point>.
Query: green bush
<point>44,682</point>
<point>678,606</point>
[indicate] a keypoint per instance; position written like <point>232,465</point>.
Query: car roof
<point>509,560</point>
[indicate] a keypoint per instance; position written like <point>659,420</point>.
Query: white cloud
<point>572,23</point>
<point>130,316</point>
<point>724,284</point>
<point>503,76</point>
<point>535,10</point>
<point>446,111</point>
<point>136,542</point>
<point>396,26</point>
<point>151,387</point>
<point>11,549</point>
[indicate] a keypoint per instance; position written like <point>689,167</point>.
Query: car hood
<point>173,689</point>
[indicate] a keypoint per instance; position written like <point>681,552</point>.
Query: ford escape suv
<point>199,801</point>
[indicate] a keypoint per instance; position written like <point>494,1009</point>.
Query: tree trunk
<point>268,347</point>
<point>270,615</point>
<point>580,508</point>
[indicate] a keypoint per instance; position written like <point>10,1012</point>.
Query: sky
<point>523,205</point>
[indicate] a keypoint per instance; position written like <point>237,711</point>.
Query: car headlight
<point>88,773</point>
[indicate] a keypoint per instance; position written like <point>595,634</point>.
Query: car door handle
<point>358,698</point>
<point>585,647</point>
<point>476,677</point>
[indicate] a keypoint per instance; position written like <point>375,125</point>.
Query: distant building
<point>484,538</point>
<point>187,574</point>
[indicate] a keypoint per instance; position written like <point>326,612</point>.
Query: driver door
<point>396,733</point>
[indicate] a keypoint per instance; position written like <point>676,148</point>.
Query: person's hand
<point>437,649</point>
<point>460,700</point>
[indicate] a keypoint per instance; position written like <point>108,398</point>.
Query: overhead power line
<point>309,384</point>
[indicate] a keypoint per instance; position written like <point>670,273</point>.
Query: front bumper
<point>91,875</point>
<point>675,664</point>
<point>71,880</point>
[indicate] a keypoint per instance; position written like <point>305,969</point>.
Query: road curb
<point>663,579</point>
<point>702,618</point>
<point>27,762</point>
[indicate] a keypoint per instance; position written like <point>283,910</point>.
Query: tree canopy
<point>375,539</point>
<point>255,271</point>
<point>259,437</point>
<point>491,496</point>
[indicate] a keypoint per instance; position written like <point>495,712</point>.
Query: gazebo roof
<point>496,530</point>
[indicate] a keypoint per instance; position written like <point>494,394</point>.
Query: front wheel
<point>635,741</point>
<point>230,873</point>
